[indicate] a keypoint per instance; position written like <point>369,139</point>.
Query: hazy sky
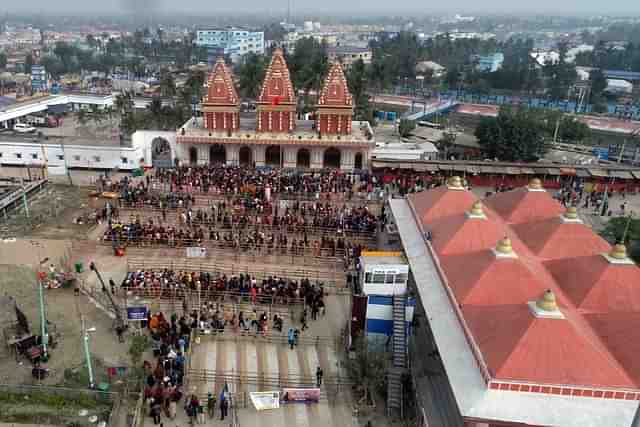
<point>330,7</point>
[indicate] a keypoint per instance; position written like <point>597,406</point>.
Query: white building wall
<point>143,140</point>
<point>73,156</point>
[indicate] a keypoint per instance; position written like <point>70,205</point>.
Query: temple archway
<point>160,153</point>
<point>217,154</point>
<point>193,156</point>
<point>332,158</point>
<point>357,164</point>
<point>272,156</point>
<point>303,159</point>
<point>245,157</point>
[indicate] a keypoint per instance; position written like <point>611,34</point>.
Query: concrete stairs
<point>399,355</point>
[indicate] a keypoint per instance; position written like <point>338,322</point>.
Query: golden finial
<point>571,213</point>
<point>619,251</point>
<point>535,184</point>
<point>455,182</point>
<point>476,209</point>
<point>547,302</point>
<point>504,246</point>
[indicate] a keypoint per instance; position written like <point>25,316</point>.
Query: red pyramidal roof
<point>524,205</point>
<point>618,332</point>
<point>221,90</point>
<point>463,233</point>
<point>481,278</point>
<point>555,238</point>
<point>335,91</point>
<point>519,346</point>
<point>595,284</point>
<point>276,87</point>
<point>441,202</point>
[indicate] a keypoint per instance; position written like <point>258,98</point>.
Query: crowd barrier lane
<point>288,380</point>
<point>227,245</point>
<point>223,298</point>
<point>262,255</point>
<point>372,197</point>
<point>330,278</point>
<point>275,338</point>
<point>145,214</point>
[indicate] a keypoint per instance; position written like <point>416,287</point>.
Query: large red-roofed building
<point>535,317</point>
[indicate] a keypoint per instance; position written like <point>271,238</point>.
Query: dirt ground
<point>64,311</point>
<point>52,214</point>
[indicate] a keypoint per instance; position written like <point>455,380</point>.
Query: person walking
<point>156,408</point>
<point>291,338</point>
<point>303,320</point>
<point>319,375</point>
<point>211,405</point>
<point>224,408</point>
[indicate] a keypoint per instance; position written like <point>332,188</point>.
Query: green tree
<point>512,136</point>
<point>28,63</point>
<point>405,127</point>
<point>167,84</point>
<point>624,230</point>
<point>3,60</point>
<point>452,78</point>
<point>308,64</point>
<point>357,81</point>
<point>367,369</point>
<point>251,73</point>
<point>573,130</point>
<point>598,83</point>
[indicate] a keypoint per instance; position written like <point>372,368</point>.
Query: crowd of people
<point>163,388</point>
<point>217,288</point>
<point>263,183</point>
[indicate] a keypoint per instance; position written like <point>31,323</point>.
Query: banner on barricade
<point>196,252</point>
<point>265,400</point>
<point>136,313</point>
<point>293,395</point>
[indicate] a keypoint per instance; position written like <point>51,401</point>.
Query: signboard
<point>292,395</point>
<point>265,400</point>
<point>136,313</point>
<point>196,252</point>
<point>38,78</point>
<point>601,153</point>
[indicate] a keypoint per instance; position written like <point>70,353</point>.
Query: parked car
<point>23,128</point>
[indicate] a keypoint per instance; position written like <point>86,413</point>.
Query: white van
<point>23,128</point>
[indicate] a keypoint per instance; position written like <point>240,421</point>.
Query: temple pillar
<point>290,154</point>
<point>258,153</point>
<point>233,154</point>
<point>317,157</point>
<point>203,154</point>
<point>346,159</point>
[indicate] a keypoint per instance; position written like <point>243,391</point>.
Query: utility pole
<point>24,198</point>
<point>624,144</point>
<point>87,353</point>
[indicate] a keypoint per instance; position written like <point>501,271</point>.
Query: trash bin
<point>103,388</point>
<point>79,267</point>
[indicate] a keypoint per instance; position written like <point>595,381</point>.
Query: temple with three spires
<point>276,136</point>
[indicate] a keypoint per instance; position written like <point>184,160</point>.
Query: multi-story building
<point>276,137</point>
<point>347,55</point>
<point>233,42</point>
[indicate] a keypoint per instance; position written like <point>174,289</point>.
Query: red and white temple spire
<point>335,105</point>
<point>276,103</point>
<point>221,104</point>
